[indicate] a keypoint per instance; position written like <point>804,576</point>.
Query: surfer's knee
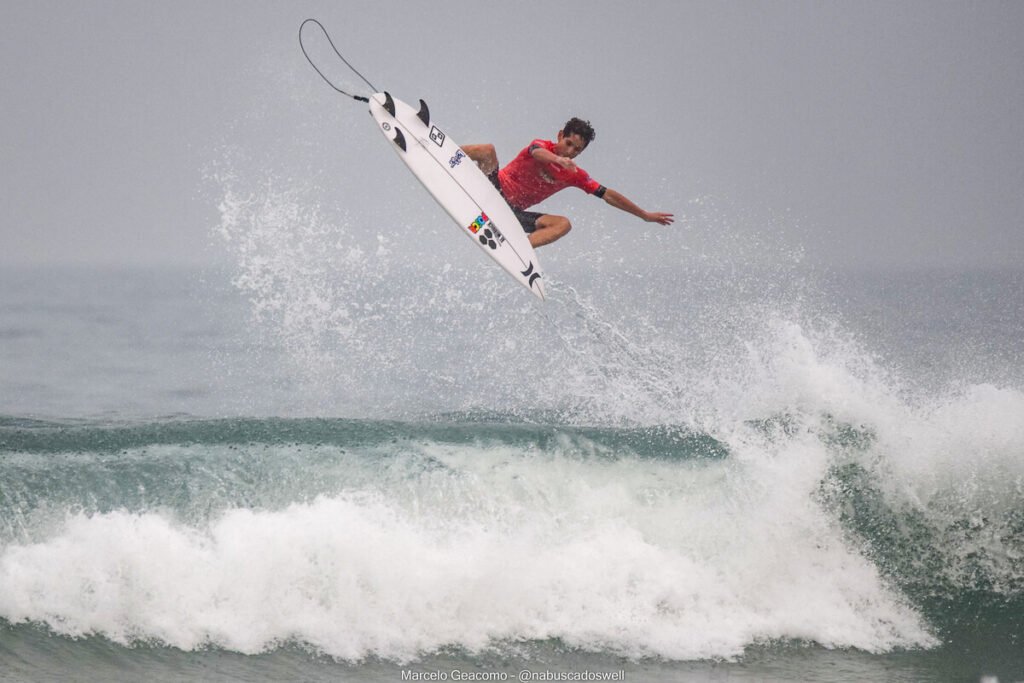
<point>549,229</point>
<point>489,159</point>
<point>561,226</point>
<point>485,156</point>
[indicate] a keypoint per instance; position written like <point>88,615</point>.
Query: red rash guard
<point>526,181</point>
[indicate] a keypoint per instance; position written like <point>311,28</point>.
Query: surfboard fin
<point>424,113</point>
<point>389,105</point>
<point>400,139</point>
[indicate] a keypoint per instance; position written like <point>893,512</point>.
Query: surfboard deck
<point>459,186</point>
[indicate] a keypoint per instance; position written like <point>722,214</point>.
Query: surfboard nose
<point>538,289</point>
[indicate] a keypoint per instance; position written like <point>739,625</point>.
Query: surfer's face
<point>569,145</point>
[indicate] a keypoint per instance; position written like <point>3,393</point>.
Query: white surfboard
<point>459,187</point>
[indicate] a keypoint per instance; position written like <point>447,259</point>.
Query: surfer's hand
<point>567,163</point>
<point>659,218</point>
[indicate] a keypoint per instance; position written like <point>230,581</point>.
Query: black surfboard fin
<point>424,113</point>
<point>400,139</point>
<point>389,104</point>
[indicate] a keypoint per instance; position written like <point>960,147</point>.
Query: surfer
<point>544,168</point>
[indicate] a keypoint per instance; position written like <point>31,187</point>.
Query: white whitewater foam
<point>487,546</point>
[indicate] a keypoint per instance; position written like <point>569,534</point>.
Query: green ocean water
<point>793,489</point>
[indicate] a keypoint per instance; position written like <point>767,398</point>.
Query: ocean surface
<point>323,464</point>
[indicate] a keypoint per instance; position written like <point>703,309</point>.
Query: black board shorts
<point>528,219</point>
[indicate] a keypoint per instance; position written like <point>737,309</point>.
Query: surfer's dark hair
<point>581,128</point>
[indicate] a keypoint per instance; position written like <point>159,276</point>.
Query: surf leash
<point>358,98</point>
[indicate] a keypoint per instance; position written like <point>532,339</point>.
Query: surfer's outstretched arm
<point>620,201</point>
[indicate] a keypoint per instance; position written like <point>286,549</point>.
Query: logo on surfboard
<point>528,273</point>
<point>437,136</point>
<point>491,236</point>
<point>457,159</point>
<point>475,226</point>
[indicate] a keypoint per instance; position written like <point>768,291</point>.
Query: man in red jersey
<point>543,169</point>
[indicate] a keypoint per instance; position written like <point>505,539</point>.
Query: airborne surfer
<point>542,169</point>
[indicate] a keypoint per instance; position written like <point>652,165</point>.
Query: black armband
<point>599,192</point>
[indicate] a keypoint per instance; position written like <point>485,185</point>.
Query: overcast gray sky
<point>880,132</point>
